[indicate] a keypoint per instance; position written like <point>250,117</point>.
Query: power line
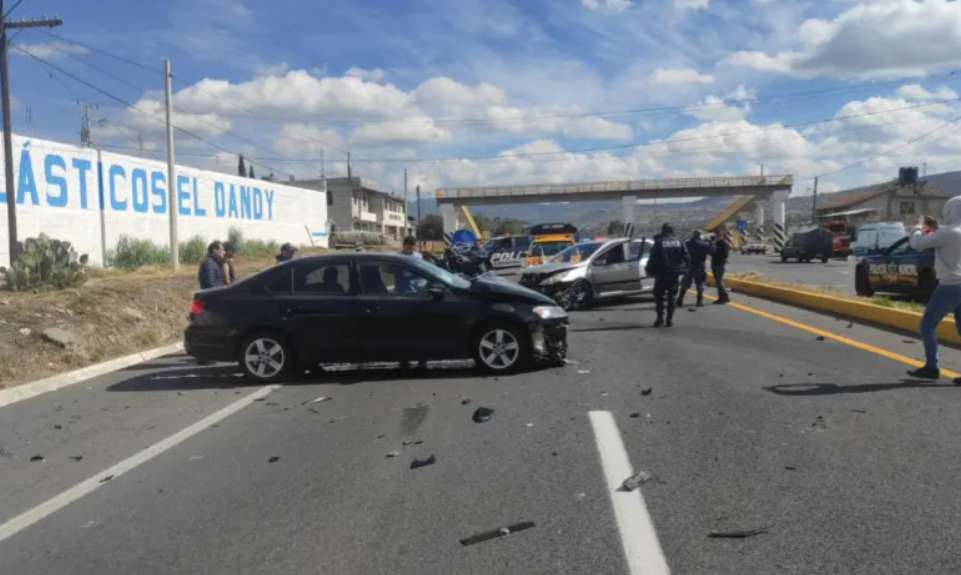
<point>132,107</point>
<point>12,8</point>
<point>454,121</point>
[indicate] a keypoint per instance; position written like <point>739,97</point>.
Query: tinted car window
<point>323,278</point>
<point>635,250</point>
<point>615,255</point>
<point>387,278</point>
<point>275,281</point>
<point>522,244</point>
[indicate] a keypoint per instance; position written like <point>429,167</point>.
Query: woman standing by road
<point>946,242</point>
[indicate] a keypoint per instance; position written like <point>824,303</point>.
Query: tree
<point>250,172</point>
<point>431,228</point>
<point>241,167</point>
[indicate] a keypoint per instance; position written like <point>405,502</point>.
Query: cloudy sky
<point>479,92</point>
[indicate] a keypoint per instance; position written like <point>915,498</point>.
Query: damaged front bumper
<point>549,341</point>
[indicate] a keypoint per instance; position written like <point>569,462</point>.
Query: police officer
<point>698,250</point>
<point>667,261</point>
<point>719,263</point>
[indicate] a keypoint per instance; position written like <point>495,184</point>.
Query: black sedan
<point>360,307</point>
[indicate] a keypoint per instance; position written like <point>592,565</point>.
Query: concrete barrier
<point>904,320</point>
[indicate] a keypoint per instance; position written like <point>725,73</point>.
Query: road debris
<point>106,478</point>
<point>858,410</point>
<point>482,414</point>
<point>790,468</point>
<point>738,534</point>
<point>58,426</point>
<point>418,463</point>
<point>25,331</point>
<point>496,533</point>
<point>322,398</point>
<point>583,371</point>
<point>381,436</point>
<point>196,457</point>
<point>273,459</point>
<point>464,401</point>
<point>820,338</point>
<point>411,442</point>
<point>636,480</point>
<point>634,415</point>
<point>850,325</point>
<point>37,459</point>
<point>529,425</point>
<point>647,391</point>
<point>819,423</point>
<point>76,457</point>
<point>553,454</point>
<point>393,453</point>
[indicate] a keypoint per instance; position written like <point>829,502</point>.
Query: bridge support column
<point>778,202</point>
<point>759,221</point>
<point>629,204</point>
<point>448,213</point>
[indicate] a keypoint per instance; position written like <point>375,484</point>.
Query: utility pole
<point>348,166</point>
<point>323,176</point>
<point>86,139</point>
<point>814,203</point>
<point>418,216</point>
<point>7,123</point>
<point>406,221</point>
<point>171,169</point>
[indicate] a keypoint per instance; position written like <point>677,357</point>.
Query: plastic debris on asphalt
<point>583,371</point>
<point>482,414</point>
<point>273,459</point>
<point>106,478</point>
<point>418,463</point>
<point>634,415</point>
<point>820,338</point>
<point>496,533</point>
<point>636,480</point>
<point>393,453</point>
<point>738,534</point>
<point>322,398</point>
<point>464,401</point>
<point>37,459</point>
<point>647,391</point>
<point>529,424</point>
<point>76,457</point>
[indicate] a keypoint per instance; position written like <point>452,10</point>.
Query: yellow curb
<point>904,320</point>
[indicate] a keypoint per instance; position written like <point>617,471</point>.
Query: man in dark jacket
<point>287,252</point>
<point>667,261</point>
<point>719,263</point>
<point>698,250</point>
<point>211,272</point>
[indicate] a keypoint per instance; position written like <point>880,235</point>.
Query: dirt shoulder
<point>112,315</point>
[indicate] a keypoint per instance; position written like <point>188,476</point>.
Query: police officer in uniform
<point>667,261</point>
<point>698,250</point>
<point>719,263</point>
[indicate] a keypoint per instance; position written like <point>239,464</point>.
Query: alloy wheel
<point>264,357</point>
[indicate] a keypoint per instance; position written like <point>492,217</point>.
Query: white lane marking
<point>641,547</point>
<point>28,518</point>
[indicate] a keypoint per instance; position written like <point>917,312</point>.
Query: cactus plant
<point>43,264</point>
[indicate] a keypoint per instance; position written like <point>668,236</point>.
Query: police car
<point>898,269</point>
<point>507,252</point>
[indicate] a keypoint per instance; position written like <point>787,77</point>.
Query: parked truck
<point>806,246</point>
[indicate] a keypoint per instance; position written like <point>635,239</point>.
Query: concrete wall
<point>91,198</point>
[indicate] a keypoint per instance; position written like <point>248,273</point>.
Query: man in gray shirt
<point>945,240</point>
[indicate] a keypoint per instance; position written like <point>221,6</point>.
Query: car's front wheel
<point>577,296</point>
<point>502,348</point>
<point>265,357</point>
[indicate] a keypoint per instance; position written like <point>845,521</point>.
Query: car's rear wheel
<point>862,283</point>
<point>265,357</point>
<point>824,259</point>
<point>783,258</point>
<point>577,296</point>
<point>502,348</point>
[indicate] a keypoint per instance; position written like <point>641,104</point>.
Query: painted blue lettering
<point>116,203</point>
<point>53,180</point>
<point>82,167</point>
<point>220,202</point>
<point>26,184</point>
<point>232,212</point>
<point>245,202</point>
<point>258,204</point>
<point>158,188</point>
<point>183,195</point>
<point>270,205</point>
<point>198,211</point>
<point>138,190</point>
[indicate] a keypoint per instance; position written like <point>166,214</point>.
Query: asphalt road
<point>833,275</point>
<point>750,424</point>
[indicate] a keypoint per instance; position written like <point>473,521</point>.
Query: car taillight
<point>197,307</point>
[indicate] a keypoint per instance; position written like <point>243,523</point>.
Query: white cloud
<point>919,92</point>
<point>675,76</point>
<point>714,109</point>
<point>607,6</point>
<point>50,50</point>
<point>418,130</point>
<point>684,5</point>
<point>874,38</point>
<point>375,75</point>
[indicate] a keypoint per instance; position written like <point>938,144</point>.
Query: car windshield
<point>449,279</point>
<point>550,248</point>
<point>889,235</point>
<point>577,253</point>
